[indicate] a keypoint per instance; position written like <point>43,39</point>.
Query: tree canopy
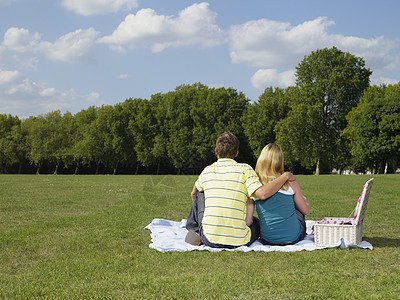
<point>331,82</point>
<point>374,129</point>
<point>331,118</point>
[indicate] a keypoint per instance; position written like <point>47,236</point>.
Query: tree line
<point>331,118</point>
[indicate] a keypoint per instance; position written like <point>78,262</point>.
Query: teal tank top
<point>278,220</point>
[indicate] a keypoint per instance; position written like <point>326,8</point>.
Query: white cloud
<point>21,96</point>
<point>48,92</point>
<point>7,77</point>
<point>98,7</point>
<point>270,77</point>
<point>94,99</point>
<point>20,40</point>
<point>378,80</point>
<point>276,45</point>
<point>30,63</point>
<point>123,76</point>
<point>195,25</point>
<point>72,47</point>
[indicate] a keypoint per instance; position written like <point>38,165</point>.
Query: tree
<point>298,135</point>
<point>48,139</point>
<point>80,150</point>
<point>61,129</point>
<point>331,83</point>
<point>195,116</point>
<point>66,134</point>
<point>8,155</point>
<point>374,129</point>
<point>180,126</point>
<point>214,111</point>
<point>262,117</point>
<point>160,136</point>
<point>109,135</point>
<point>229,118</point>
<point>38,134</point>
<point>156,129</point>
<point>98,139</point>
<point>20,146</point>
<point>123,140</point>
<point>142,130</point>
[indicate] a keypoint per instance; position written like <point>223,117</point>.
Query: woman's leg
<point>302,221</point>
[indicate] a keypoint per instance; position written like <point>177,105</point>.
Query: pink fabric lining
<point>337,221</point>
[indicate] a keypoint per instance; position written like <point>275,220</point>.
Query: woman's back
<point>281,215</point>
<point>278,219</point>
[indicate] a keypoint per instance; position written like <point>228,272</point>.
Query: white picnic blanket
<point>169,236</point>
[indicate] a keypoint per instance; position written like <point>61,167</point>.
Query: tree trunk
<point>158,168</point>
<point>20,168</point>
<point>76,169</point>
<point>137,169</point>
<point>38,169</point>
<point>381,169</point>
<point>97,168</point>
<point>56,170</point>
<point>390,166</point>
<point>317,168</point>
<point>115,168</point>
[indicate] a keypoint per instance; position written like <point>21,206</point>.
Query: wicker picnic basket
<point>328,232</point>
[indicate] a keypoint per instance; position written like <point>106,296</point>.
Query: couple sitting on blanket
<point>224,194</point>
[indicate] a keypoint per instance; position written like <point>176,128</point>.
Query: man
<point>218,215</point>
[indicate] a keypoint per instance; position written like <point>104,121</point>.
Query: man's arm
<point>193,193</point>
<point>267,190</point>
<point>249,211</point>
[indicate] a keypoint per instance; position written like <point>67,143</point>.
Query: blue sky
<point>71,54</point>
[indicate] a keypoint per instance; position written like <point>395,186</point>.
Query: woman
<point>281,215</point>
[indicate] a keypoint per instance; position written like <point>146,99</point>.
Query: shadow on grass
<point>383,242</point>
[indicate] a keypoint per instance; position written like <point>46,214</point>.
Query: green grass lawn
<point>83,237</point>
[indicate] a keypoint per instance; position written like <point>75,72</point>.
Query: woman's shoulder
<point>288,192</point>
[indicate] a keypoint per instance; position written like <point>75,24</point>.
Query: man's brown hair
<point>227,145</point>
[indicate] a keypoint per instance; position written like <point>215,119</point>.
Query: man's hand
<point>193,193</point>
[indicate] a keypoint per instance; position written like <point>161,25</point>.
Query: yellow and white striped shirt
<point>227,185</point>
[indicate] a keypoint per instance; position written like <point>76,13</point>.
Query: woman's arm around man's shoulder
<point>267,190</point>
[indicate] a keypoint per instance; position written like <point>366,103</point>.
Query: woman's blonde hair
<point>270,164</point>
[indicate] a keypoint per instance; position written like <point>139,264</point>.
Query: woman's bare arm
<point>300,201</point>
<point>267,190</point>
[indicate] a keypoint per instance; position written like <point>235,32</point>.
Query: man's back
<point>227,185</point>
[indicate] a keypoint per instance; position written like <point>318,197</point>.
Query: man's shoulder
<point>228,164</point>
<point>245,166</point>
